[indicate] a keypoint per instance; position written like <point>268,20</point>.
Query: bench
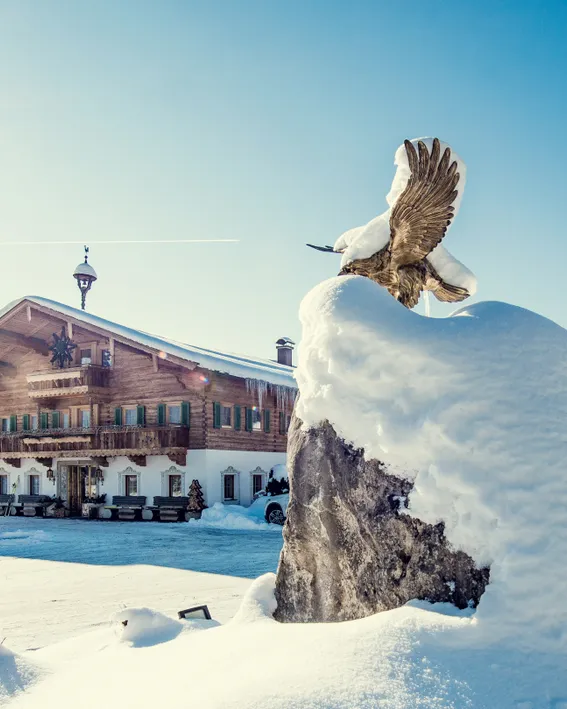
<point>171,509</point>
<point>129,507</point>
<point>5,502</point>
<point>34,504</point>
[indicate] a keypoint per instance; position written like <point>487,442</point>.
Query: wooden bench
<point>129,506</point>
<point>34,505</point>
<point>5,502</point>
<point>171,509</point>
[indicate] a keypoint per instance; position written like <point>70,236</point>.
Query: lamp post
<point>86,276</point>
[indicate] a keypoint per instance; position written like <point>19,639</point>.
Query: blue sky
<point>274,123</point>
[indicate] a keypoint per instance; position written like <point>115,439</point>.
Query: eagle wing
<point>422,213</point>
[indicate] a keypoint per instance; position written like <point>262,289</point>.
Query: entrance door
<point>77,483</point>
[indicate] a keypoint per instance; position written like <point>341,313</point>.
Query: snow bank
<point>16,674</point>
<point>402,659</point>
<point>222,516</point>
<point>362,242</point>
<point>473,409</point>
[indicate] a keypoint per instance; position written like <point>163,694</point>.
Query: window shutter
<point>118,416</point>
<point>216,415</point>
<point>266,420</point>
<point>141,415</point>
<point>44,420</point>
<point>55,419</point>
<point>248,414</point>
<point>282,422</point>
<point>185,413</point>
<point>237,418</point>
<point>26,422</point>
<point>161,414</point>
<point>13,422</point>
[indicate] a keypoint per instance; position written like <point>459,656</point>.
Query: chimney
<point>284,348</point>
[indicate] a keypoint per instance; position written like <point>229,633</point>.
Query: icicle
<point>285,396</point>
<point>427,304</point>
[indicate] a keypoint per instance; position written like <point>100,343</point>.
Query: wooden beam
<point>14,462</point>
<point>70,330</point>
<point>178,458</point>
<point>45,461</point>
<point>30,343</point>
<point>101,461</point>
<point>138,460</point>
<point>28,313</point>
<point>155,362</point>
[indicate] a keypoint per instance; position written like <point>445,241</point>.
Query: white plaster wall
<point>19,476</point>
<point>245,462</point>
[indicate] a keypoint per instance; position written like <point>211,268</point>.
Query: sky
<point>274,123</point>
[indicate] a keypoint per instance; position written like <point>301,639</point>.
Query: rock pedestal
<point>349,549</point>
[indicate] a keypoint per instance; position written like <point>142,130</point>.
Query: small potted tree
<point>196,503</point>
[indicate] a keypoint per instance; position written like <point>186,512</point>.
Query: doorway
<point>77,485</point>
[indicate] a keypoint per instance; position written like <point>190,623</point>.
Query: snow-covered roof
<point>224,362</point>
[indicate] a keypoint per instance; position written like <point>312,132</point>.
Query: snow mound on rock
<point>472,408</point>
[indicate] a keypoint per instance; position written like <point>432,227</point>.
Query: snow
<point>236,365</point>
<point>362,242</point>
<point>472,408</point>
<point>403,659</point>
<point>221,516</point>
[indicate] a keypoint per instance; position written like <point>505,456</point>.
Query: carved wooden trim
<point>138,460</point>
<point>14,462</point>
<point>178,457</point>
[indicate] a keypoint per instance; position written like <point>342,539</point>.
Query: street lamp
<point>86,276</point>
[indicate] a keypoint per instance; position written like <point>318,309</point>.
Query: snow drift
<point>472,408</point>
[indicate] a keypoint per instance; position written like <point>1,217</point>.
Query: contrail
<point>123,241</point>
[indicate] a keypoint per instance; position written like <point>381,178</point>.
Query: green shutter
<point>185,413</point>
<point>161,414</point>
<point>237,418</point>
<point>44,420</point>
<point>55,419</point>
<point>248,422</point>
<point>267,420</point>
<point>118,416</point>
<point>13,422</point>
<point>216,415</point>
<point>141,415</point>
<point>282,422</point>
<point>26,422</point>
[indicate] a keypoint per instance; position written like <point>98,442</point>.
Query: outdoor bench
<point>5,502</point>
<point>171,509</point>
<point>125,507</point>
<point>34,504</point>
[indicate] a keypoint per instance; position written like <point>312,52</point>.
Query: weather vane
<point>86,276</point>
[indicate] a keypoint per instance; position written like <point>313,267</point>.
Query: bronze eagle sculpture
<point>401,249</point>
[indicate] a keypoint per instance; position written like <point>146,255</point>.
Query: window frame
<point>5,477</point>
<point>83,410</point>
<point>170,476</point>
<point>134,409</point>
<point>259,424</point>
<point>226,407</point>
<point>5,419</point>
<point>32,477</point>
<point>129,476</point>
<point>230,471</point>
<point>168,407</point>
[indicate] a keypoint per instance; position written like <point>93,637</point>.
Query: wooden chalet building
<point>131,414</point>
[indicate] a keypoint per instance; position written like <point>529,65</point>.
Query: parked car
<point>272,508</point>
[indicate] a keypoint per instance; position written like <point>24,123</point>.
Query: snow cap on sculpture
<point>400,249</point>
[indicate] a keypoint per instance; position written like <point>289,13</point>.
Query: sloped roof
<point>224,362</point>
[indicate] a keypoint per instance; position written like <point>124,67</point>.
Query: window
<point>175,486</point>
<point>64,420</point>
<point>106,358</point>
<point>257,483</point>
<point>33,422</point>
<point>4,485</point>
<point>256,419</point>
<point>85,418</point>
<point>5,425</point>
<point>85,356</point>
<point>174,413</point>
<point>226,416</point>
<point>33,484</point>
<point>130,417</point>
<point>130,485</point>
<point>229,487</point>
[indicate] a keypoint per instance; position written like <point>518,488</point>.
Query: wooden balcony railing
<point>87,379</point>
<point>97,441</point>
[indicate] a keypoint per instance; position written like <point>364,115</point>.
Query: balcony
<point>100,441</point>
<point>88,379</point>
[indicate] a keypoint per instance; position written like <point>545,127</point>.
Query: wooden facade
<point>121,397</point>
